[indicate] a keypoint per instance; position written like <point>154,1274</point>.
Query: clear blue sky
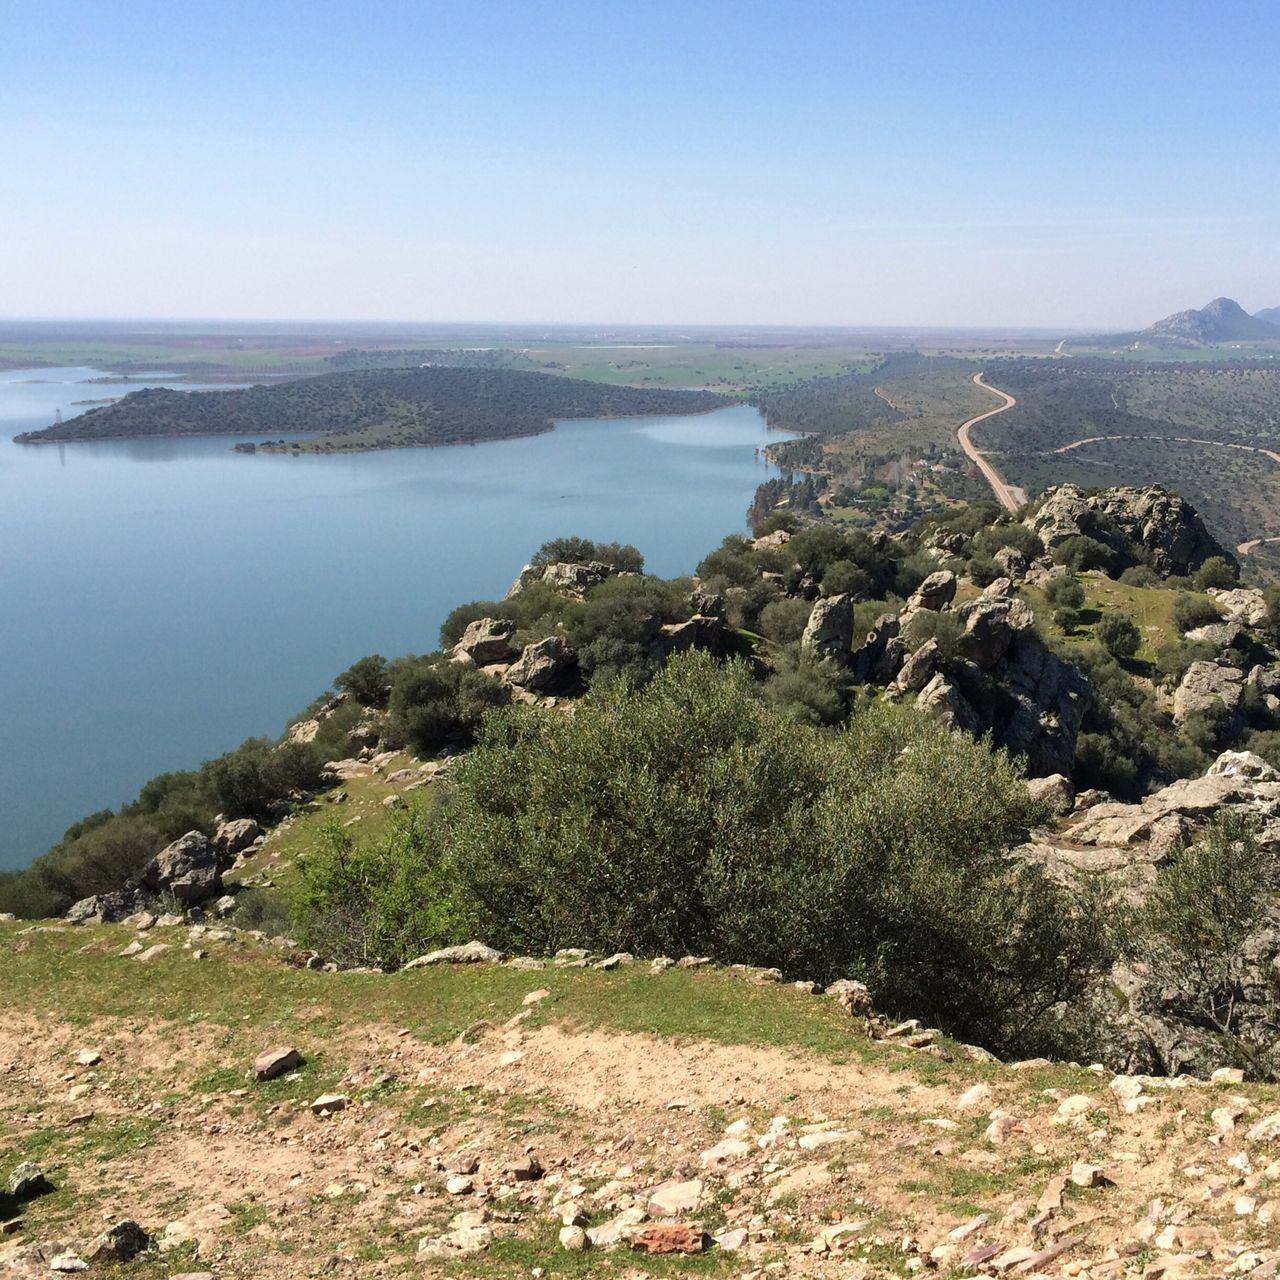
<point>969,162</point>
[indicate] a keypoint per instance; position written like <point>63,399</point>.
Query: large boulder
<point>1241,604</point>
<point>919,668</point>
<point>1149,525</point>
<point>567,579</point>
<point>1013,564</point>
<point>990,625</point>
<point>188,868</point>
<point>936,592</point>
<point>880,656</point>
<point>235,836</point>
<point>543,666</point>
<point>703,631</point>
<point>487,641</point>
<point>942,700</point>
<point>1042,703</point>
<point>103,908</point>
<point>1208,689</point>
<point>829,631</point>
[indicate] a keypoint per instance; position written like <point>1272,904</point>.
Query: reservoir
<point>163,600</point>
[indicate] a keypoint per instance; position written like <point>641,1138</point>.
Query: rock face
<point>1208,689</point>
<point>702,631</point>
<point>1148,524</point>
<point>1147,1029</point>
<point>829,631</point>
<point>231,838</point>
<point>487,641</point>
<point>188,869</point>
<point>935,592</point>
<point>544,665</point>
<point>567,579</point>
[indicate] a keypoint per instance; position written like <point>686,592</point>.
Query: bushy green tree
<point>435,702</point>
<point>1217,571</point>
<point>366,681</point>
<point>1205,905</point>
<point>1065,592</point>
<point>1080,552</point>
<point>783,621</point>
<point>692,817</point>
<point>1190,612</point>
<point>377,902</point>
<point>1118,634</point>
<point>620,555</point>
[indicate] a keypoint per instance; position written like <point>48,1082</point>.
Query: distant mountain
<point>1271,315</point>
<point>1223,320</point>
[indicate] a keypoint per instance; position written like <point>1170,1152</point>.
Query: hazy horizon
<point>919,165</point>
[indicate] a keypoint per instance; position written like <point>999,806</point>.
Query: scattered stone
<point>275,1062</point>
<point>120,1243</point>
<point>329,1103</point>
<point>458,1185</point>
<point>615,961</point>
<point>28,1180</point>
<point>1088,1175</point>
<point>1227,1075</point>
<point>88,1058</point>
<point>535,997</point>
<point>68,1262</point>
<point>464,1163</point>
<point>853,997</point>
<point>669,1238</point>
<point>574,1239</point>
<point>526,1170</point>
<point>675,1199</point>
<point>143,957</point>
<point>731,1241</point>
<point>466,953</point>
<point>1055,791</point>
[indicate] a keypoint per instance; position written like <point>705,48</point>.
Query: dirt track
<point>1010,497</point>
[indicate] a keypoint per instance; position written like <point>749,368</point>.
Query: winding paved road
<point>1009,496</point>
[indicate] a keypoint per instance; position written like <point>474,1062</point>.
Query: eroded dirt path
<point>1010,497</point>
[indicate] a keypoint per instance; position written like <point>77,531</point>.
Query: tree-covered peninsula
<point>375,409</point>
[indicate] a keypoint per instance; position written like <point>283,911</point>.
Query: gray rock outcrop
<point>829,631</point>
<point>936,592</point>
<point>1208,689</point>
<point>544,665</point>
<point>188,868</point>
<point>1140,525</point>
<point>487,641</point>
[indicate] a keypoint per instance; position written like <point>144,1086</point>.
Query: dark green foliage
<point>379,408</point>
<point>814,693</point>
<point>984,572</point>
<point>616,628</point>
<point>258,773</point>
<point>1271,624</point>
<point>691,817</point>
<point>1127,745</point>
<point>366,681</point>
<point>1008,533</point>
<point>435,702</point>
<point>1066,592</point>
<point>1140,575</point>
<point>783,621</point>
<point>1205,905</point>
<point>461,617</point>
<point>844,578</point>
<point>1190,612</point>
<point>621,555</point>
<point>1173,659</point>
<point>1118,635</point>
<point>1080,552</point>
<point>1217,571</point>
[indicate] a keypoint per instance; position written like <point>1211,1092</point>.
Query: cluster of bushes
<point>694,816</point>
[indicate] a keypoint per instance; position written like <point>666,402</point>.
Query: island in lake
<point>375,409</point>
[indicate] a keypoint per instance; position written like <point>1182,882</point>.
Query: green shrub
<point>691,817</point>
<point>435,702</point>
<point>844,578</point>
<point>620,555</point>
<point>1204,907</point>
<point>1080,552</point>
<point>1118,635</point>
<point>380,902</point>
<point>783,621</point>
<point>1065,592</point>
<point>1190,612</point>
<point>366,681</point>
<point>1140,575</point>
<point>1217,571</point>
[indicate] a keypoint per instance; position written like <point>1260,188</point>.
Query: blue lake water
<point>162,600</point>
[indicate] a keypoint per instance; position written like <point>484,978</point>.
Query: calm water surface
<point>162,600</point>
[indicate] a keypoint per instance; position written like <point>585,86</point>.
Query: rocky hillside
<point>1222,320</point>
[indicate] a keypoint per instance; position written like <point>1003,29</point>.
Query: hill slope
<point>377,408</point>
<point>793,1139</point>
<point>1270,314</point>
<point>1222,320</point>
